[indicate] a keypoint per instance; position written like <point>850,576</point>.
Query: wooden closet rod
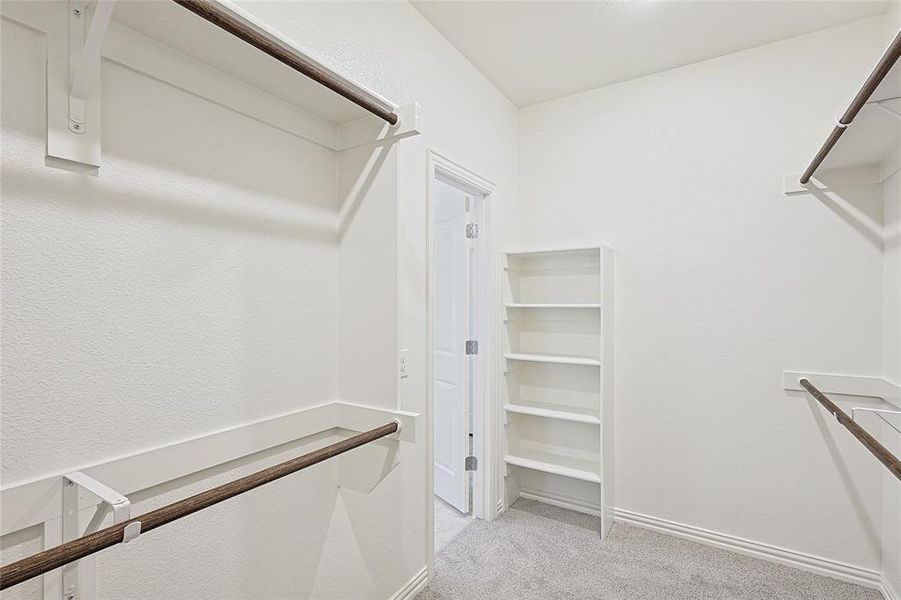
<point>882,68</point>
<point>216,14</point>
<point>42,562</point>
<point>879,451</point>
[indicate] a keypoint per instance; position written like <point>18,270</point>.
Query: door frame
<point>484,503</point>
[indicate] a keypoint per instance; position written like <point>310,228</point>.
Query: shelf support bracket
<point>73,84</point>
<point>84,57</point>
<point>75,579</point>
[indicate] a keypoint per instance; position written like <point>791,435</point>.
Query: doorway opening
<point>459,372</point>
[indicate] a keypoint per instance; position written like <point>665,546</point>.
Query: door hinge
<point>472,346</point>
<point>472,231</point>
<point>472,463</point>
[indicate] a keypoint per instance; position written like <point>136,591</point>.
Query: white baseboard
<point>561,500</point>
<point>799,560</point>
<point>792,558</point>
<point>412,588</point>
<point>888,590</point>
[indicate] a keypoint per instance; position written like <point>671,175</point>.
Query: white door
<point>451,364</point>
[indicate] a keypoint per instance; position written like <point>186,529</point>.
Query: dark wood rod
<point>214,13</point>
<point>879,72</point>
<point>879,451</point>
<point>42,562</point>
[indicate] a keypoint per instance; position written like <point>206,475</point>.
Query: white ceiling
<point>538,50</point>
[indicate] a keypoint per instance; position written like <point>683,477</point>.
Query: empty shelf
<point>592,250</point>
<point>592,269</point>
<point>560,360</point>
<point>522,305</point>
<point>552,463</point>
<point>549,413</point>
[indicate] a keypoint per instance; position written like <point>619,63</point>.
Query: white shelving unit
<point>557,380</point>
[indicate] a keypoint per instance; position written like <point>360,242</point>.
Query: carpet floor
<point>449,522</point>
<point>534,551</point>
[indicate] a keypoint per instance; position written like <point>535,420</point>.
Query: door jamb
<point>484,504</point>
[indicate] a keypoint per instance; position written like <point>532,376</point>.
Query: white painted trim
<point>799,560</point>
<point>888,591</point>
<point>461,174</point>
<point>414,586</point>
<point>867,386</point>
<point>38,500</point>
<point>561,500</point>
<point>437,164</point>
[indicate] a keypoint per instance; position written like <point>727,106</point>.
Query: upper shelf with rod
<point>212,49</point>
<point>867,133</point>
<point>272,66</point>
<point>889,460</point>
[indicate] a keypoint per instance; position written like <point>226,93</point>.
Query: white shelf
<point>553,413</point>
<point>556,464</point>
<point>555,359</point>
<point>553,250</point>
<point>552,305</point>
<point>586,268</point>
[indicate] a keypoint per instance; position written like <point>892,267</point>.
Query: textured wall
<point>391,48</point>
<point>891,350</point>
<point>189,287</point>
<point>723,282</point>
<point>891,365</point>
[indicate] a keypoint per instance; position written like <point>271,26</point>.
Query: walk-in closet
<point>450,300</point>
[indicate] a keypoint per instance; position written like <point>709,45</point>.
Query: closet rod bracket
<point>120,505</point>
<point>77,578</point>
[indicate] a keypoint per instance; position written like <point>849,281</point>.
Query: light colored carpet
<point>535,551</point>
<point>449,522</point>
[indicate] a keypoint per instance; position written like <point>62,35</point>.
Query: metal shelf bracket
<point>74,579</point>
<point>74,47</point>
<point>84,57</point>
<point>120,505</point>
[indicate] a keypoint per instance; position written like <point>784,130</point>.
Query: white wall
<point>723,282</point>
<point>195,285</point>
<point>891,365</point>
<point>891,350</point>
<point>176,294</point>
<point>391,48</point>
<point>182,291</point>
